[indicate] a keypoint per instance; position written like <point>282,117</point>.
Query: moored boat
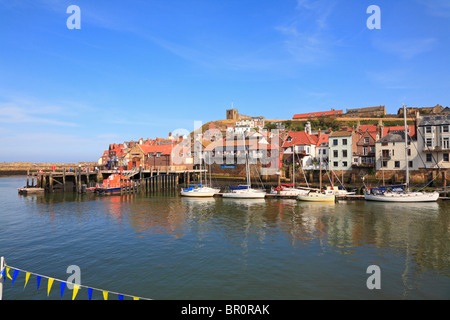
<point>111,185</point>
<point>317,197</point>
<point>401,193</point>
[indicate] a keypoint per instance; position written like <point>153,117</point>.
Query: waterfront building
<point>303,145</point>
<point>340,149</point>
<point>390,152</point>
<point>364,155</point>
<point>433,140</point>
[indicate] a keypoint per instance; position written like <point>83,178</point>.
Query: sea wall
<point>21,168</point>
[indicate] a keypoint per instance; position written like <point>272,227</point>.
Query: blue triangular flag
<point>16,272</point>
<point>63,286</point>
<point>4,274</point>
<point>120,297</point>
<point>90,293</point>
<point>38,281</point>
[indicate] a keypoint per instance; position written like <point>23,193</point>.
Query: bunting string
<point>5,272</point>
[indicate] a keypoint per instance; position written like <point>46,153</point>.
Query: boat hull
<point>317,198</point>
<point>404,197</point>
<point>200,193</point>
<point>245,194</point>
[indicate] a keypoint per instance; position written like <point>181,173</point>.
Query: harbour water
<point>165,247</point>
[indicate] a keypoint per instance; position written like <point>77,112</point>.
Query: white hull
<point>200,192</point>
<point>245,194</point>
<point>404,197</point>
<point>290,192</point>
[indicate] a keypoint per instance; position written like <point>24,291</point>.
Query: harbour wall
<point>21,168</point>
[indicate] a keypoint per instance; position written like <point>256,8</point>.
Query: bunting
<point>16,271</point>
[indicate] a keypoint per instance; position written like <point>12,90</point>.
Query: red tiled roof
<point>323,138</point>
<point>316,114</point>
<point>165,149</point>
<point>299,138</point>
<point>411,129</point>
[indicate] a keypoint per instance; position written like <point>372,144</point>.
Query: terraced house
<point>434,140</point>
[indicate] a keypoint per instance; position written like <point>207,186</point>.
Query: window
<point>429,142</point>
<point>446,143</point>
<point>158,154</point>
<point>445,157</point>
<point>335,153</point>
<point>344,142</point>
<point>409,152</point>
<point>365,151</point>
<point>385,153</point>
<point>344,153</point>
<point>428,129</point>
<point>344,164</point>
<point>410,164</point>
<point>335,163</point>
<point>366,140</point>
<point>428,157</point>
<point>385,164</point>
<point>445,129</point>
<point>335,142</point>
<point>397,164</point>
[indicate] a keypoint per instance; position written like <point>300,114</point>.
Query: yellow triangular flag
<point>75,291</point>
<point>49,285</point>
<point>27,276</point>
<point>135,298</point>
<point>7,273</point>
<point>105,295</point>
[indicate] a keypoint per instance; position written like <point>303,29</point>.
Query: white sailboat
<point>200,191</point>
<point>400,194</point>
<point>245,191</point>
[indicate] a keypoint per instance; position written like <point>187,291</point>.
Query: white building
<point>390,152</point>
<point>340,145</point>
<point>433,140</point>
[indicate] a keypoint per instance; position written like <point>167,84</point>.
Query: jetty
<point>82,180</point>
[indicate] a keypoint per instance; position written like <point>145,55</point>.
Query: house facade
<point>390,152</point>
<point>433,140</point>
<point>340,150</point>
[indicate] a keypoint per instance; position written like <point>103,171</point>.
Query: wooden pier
<point>84,180</point>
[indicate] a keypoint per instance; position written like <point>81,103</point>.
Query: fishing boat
<point>400,193</point>
<point>111,185</point>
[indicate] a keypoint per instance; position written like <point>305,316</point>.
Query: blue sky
<point>144,68</point>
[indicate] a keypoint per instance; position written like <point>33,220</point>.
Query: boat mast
<point>293,165</point>
<point>406,148</point>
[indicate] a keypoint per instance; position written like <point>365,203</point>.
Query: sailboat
<point>200,190</point>
<point>318,196</point>
<point>401,193</point>
<point>245,191</point>
<point>290,189</point>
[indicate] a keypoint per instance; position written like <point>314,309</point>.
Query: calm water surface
<point>163,246</point>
